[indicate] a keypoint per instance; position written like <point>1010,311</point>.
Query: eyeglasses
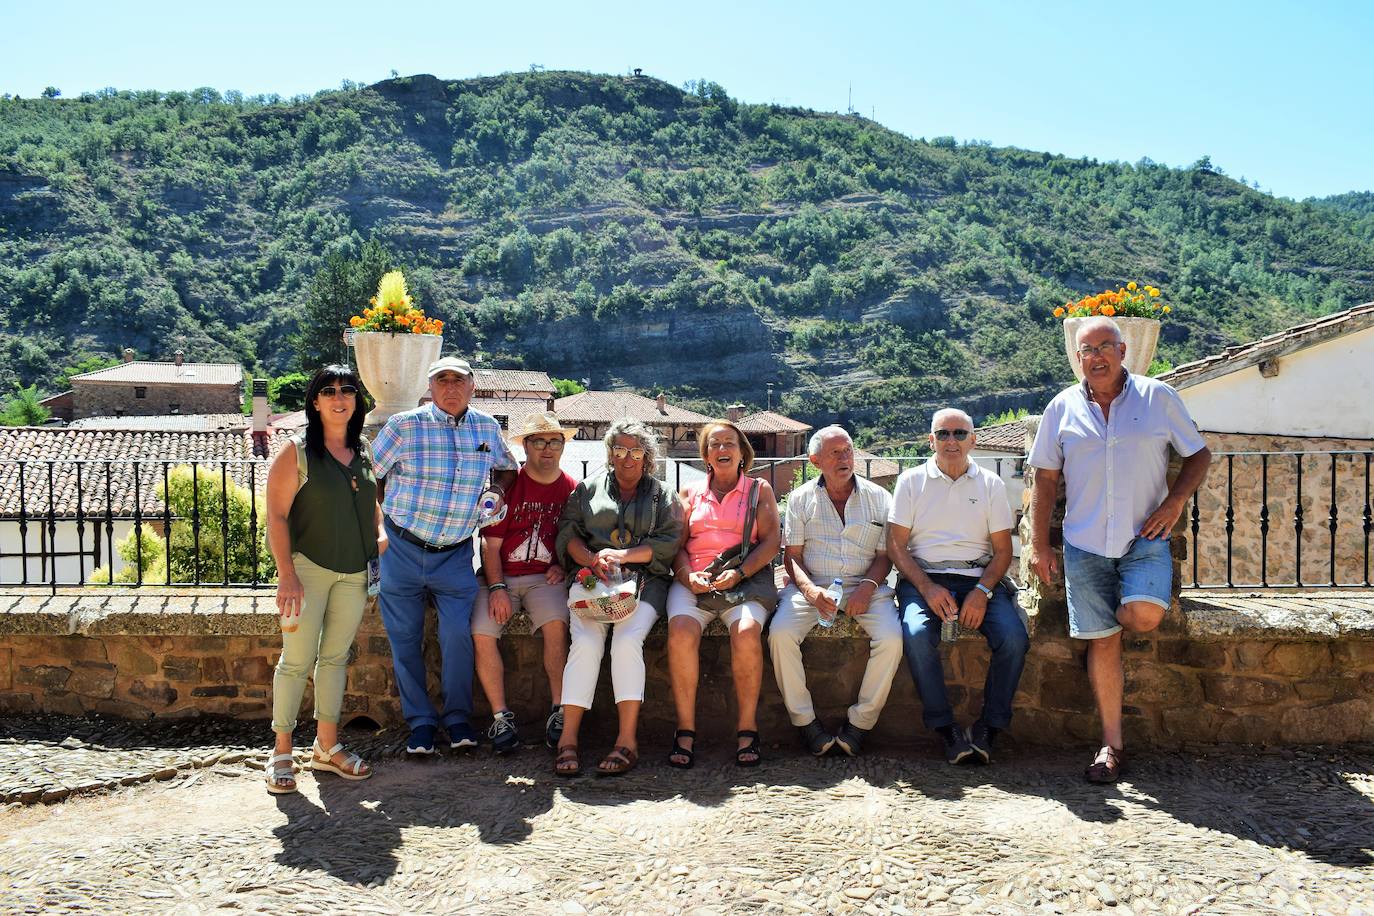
<point>540,444</point>
<point>620,451</point>
<point>1087,352</point>
<point>348,391</point>
<point>728,445</point>
<point>959,435</point>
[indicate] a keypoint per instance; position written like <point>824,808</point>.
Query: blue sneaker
<point>461,736</point>
<point>421,742</point>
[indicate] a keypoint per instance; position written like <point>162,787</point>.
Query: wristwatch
<point>983,588</point>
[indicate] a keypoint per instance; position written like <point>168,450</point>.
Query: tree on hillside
<point>287,392</point>
<point>339,291</point>
<point>81,367</point>
<point>23,409</point>
<point>563,387</point>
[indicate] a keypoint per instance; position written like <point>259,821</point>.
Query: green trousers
<point>330,614</point>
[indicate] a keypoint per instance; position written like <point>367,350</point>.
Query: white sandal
<point>353,768</point>
<point>281,780</point>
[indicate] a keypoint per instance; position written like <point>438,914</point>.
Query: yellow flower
<point>1152,291</point>
<point>1131,286</point>
<point>1166,309</point>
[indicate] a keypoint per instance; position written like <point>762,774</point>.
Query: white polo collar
<point>934,473</point>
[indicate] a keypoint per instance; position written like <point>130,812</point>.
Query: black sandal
<point>680,751</point>
<point>751,748</point>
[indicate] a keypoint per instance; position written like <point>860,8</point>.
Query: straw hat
<point>541,424</point>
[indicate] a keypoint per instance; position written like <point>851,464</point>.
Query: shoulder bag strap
<point>746,538</point>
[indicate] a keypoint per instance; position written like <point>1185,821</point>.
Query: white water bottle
<point>835,593</point>
<point>491,508</point>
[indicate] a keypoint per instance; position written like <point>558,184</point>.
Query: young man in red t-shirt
<point>522,570</point>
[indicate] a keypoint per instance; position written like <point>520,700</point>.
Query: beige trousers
<point>330,614</point>
<point>795,618</point>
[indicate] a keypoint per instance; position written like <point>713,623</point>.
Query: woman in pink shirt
<point>715,514</point>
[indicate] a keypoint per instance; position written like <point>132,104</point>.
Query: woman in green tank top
<point>324,528</point>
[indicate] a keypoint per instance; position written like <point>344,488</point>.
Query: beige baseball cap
<point>449,364</point>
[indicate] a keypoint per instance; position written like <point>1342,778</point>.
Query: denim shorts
<point>1097,586</point>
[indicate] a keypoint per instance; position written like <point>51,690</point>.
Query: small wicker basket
<point>603,603</point>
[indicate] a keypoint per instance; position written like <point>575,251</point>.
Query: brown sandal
<point>1107,766</point>
<point>618,762</point>
<point>567,763</point>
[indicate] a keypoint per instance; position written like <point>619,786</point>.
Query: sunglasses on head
<point>959,435</point>
<point>620,451</point>
<point>328,391</point>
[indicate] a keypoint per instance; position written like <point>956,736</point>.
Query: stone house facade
<point>139,388</point>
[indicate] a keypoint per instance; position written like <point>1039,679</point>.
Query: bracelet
<point>496,587</point>
<point>874,581</point>
<point>983,588</point>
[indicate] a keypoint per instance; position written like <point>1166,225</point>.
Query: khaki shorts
<point>541,601</point>
<point>682,602</point>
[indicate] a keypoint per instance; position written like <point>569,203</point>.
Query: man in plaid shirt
<point>432,465</point>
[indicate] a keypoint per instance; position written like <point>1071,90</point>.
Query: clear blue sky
<point>1275,92</point>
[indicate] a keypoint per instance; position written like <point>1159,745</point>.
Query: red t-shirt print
<point>530,527</point>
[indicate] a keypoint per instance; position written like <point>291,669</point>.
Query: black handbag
<point>760,587</point>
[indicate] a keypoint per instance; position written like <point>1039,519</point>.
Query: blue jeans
<point>1006,636</point>
<point>409,574</point>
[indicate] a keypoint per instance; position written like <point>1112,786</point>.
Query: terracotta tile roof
<point>1004,437</point>
<point>34,447</point>
<point>766,421</point>
<point>512,380</point>
<point>871,466</point>
<point>191,422</point>
<point>609,406</point>
<point>140,372</point>
<point>515,409</point>
<point>1289,340</point>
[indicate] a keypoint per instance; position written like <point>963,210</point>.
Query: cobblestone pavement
<point>1213,831</point>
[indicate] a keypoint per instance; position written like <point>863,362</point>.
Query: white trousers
<point>795,618</point>
<point>627,656</point>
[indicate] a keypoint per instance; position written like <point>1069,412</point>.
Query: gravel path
<point>1218,832</point>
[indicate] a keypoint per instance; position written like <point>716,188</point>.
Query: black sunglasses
<point>328,391</point>
<point>959,434</point>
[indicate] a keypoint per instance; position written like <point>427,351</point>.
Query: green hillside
<point>633,233</point>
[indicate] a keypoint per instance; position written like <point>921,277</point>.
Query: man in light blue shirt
<point>433,463</point>
<point>1110,437</point>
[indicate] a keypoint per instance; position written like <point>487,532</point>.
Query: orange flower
<point>1108,310</point>
<point>355,321</point>
<point>1059,312</point>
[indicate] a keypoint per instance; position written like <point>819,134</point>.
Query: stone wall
<point>1217,671</point>
<point>1277,553</point>
<point>106,400</point>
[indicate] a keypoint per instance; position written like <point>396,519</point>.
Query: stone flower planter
<point>392,366</point>
<point>1140,334</point>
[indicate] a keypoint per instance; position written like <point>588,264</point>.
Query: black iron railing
<point>1249,525</point>
<point>107,523</point>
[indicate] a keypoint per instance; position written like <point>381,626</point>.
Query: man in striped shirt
<point>834,530</point>
<point>433,464</point>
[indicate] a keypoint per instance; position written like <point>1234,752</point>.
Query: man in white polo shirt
<point>949,535</point>
<point>1109,437</point>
